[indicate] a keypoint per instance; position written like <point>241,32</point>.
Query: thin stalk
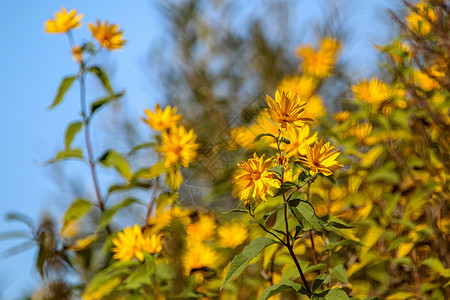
<point>291,249</point>
<point>89,145</point>
<point>152,200</point>
<point>311,233</point>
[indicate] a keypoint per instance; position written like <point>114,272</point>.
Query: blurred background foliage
<point>217,63</point>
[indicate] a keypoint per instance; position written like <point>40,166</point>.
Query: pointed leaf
<point>102,101</point>
<point>71,132</point>
<point>64,86</point>
<point>282,286</point>
<point>113,159</point>
<point>306,216</point>
<point>76,210</point>
<point>241,261</point>
<point>103,77</point>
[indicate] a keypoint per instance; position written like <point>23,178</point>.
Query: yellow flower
<point>63,22</point>
<point>299,139</point>
<point>161,120</point>
<point>427,82</point>
<point>244,136</point>
<point>202,230</point>
<point>287,109</point>
<point>254,180</point>
<point>233,235</point>
<point>174,178</point>
<point>178,146</point>
<point>321,158</point>
<point>152,243</point>
<point>107,35</point>
<point>199,256</point>
<point>374,92</point>
<point>320,63</point>
<point>304,86</point>
<point>341,116</point>
<point>417,22</point>
<point>128,244</point>
<point>361,132</point>
<point>77,54</point>
<point>168,215</point>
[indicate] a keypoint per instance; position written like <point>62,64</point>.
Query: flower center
<point>256,175</point>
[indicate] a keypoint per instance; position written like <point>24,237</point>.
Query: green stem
<point>89,145</point>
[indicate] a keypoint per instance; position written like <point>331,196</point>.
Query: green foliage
<point>240,261</point>
<point>64,86</point>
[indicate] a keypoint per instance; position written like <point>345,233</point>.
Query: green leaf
<point>282,286</point>
<point>237,210</point>
<point>71,132</point>
<point>102,101</point>
<point>334,294</point>
<point>157,169</point>
<point>68,154</point>
<point>286,186</point>
<point>113,159</point>
<point>260,136</point>
<point>76,210</point>
<point>340,273</point>
<point>109,213</point>
<point>241,261</point>
<point>103,77</point>
<point>338,224</point>
<point>64,86</point>
<point>285,140</point>
<point>306,216</point>
<point>318,281</point>
<point>142,146</point>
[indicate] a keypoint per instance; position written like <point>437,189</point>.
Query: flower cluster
<point>178,146</point>
<point>131,243</point>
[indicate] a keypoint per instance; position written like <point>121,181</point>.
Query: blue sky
<point>32,65</point>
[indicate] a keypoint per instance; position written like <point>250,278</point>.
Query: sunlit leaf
<point>282,286</point>
<point>113,159</point>
<point>240,261</point>
<point>64,86</point>
<point>71,132</point>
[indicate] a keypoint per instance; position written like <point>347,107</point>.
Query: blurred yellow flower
<point>319,63</point>
<point>202,230</point>
<point>152,243</point>
<point>299,139</point>
<point>304,86</point>
<point>63,22</point>
<point>341,116</point>
<point>128,244</point>
<point>161,120</point>
<point>362,133</point>
<point>197,256</point>
<point>244,136</point>
<point>167,215</point>
<point>77,54</point>
<point>321,158</point>
<point>374,92</point>
<point>427,80</point>
<point>233,235</point>
<point>417,22</point>
<point>287,109</point>
<point>178,146</point>
<point>107,35</point>
<point>174,178</point>
<point>253,180</point>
